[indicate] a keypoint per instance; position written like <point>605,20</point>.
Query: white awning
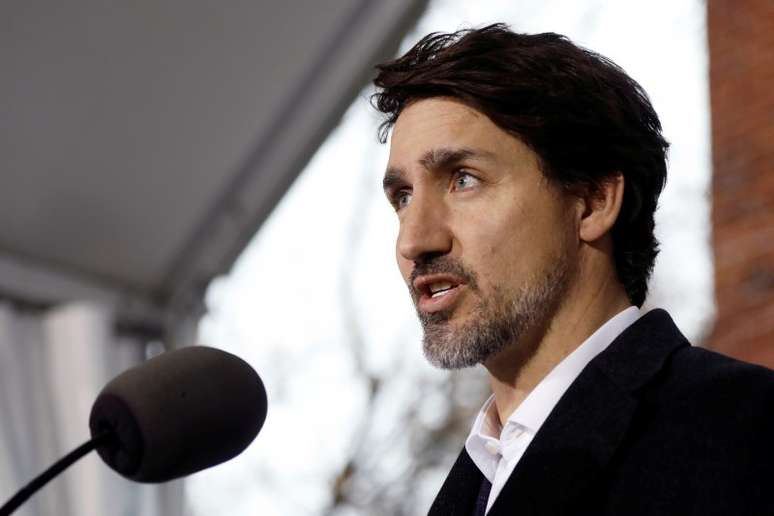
<point>142,144</point>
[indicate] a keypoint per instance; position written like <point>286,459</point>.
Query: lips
<point>437,292</point>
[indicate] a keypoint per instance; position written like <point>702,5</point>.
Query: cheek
<point>491,248</point>
<point>507,247</point>
<point>490,228</point>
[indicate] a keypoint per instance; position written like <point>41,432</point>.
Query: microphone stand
<point>59,466</point>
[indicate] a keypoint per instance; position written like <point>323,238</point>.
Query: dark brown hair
<point>584,117</point>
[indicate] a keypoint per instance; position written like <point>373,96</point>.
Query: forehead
<point>446,123</point>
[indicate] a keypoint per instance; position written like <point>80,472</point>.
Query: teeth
<point>439,289</point>
<point>435,287</point>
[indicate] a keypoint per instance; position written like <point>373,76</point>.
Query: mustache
<point>441,265</point>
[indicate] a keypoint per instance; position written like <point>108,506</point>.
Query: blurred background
<point>174,173</point>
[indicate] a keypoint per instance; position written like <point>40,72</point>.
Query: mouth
<point>437,292</point>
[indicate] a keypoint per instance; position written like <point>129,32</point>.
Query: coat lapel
<point>583,431</point>
<point>460,490</point>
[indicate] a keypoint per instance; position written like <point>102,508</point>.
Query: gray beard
<point>497,322</point>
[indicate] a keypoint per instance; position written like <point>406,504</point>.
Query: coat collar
<point>581,433</point>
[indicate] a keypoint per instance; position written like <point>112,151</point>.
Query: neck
<point>513,376</point>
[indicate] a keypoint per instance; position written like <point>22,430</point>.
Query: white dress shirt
<point>496,449</point>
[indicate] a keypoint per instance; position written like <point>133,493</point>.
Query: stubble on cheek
<point>498,319</point>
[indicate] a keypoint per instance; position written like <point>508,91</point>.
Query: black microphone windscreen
<point>178,413</point>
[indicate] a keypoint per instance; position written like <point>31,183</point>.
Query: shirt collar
<point>484,440</point>
<point>536,407</point>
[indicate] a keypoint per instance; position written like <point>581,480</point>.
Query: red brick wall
<point>741,42</point>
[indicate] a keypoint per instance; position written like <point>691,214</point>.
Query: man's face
<point>486,245</point>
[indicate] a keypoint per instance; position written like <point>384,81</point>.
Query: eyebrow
<point>435,159</point>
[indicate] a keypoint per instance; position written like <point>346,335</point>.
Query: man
<point>525,172</point>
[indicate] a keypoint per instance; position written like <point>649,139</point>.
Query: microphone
<point>173,415</point>
<point>178,413</point>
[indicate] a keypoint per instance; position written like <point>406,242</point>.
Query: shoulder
<point>700,370</point>
<point>682,370</point>
<point>708,389</point>
<point>691,386</point>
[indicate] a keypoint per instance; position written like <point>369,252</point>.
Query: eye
<point>464,180</point>
<point>401,199</point>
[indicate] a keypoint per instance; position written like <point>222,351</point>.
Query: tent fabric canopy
<point>142,144</point>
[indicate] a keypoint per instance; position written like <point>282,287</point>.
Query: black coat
<point>651,426</point>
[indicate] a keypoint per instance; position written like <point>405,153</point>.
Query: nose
<point>424,229</point>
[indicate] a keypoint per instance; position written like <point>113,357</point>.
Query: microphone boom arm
<point>59,466</point>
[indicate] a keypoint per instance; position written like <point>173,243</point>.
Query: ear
<point>601,209</point>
